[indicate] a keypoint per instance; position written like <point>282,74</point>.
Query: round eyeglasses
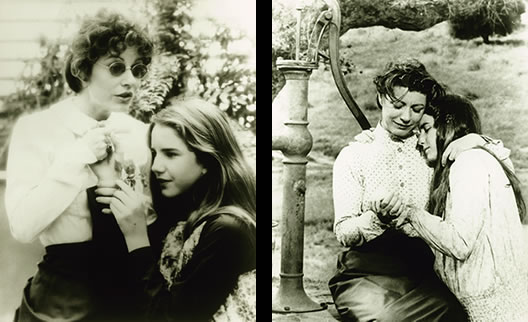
<point>118,68</point>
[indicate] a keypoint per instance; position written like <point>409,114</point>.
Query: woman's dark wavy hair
<point>106,32</point>
<point>410,74</point>
<point>455,116</point>
<point>228,186</point>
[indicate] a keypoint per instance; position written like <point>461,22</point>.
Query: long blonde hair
<point>229,184</point>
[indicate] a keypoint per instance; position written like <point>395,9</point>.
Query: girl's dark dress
<point>225,250</point>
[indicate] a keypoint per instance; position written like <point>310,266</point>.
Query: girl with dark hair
<point>200,265</point>
<point>56,159</point>
<point>474,218</point>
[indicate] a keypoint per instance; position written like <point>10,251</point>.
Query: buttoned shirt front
<point>364,172</point>
<point>48,172</point>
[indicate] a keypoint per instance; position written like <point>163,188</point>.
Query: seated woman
<point>473,222</point>
<point>204,194</point>
<point>56,157</point>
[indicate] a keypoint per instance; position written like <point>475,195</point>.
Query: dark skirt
<point>63,287</point>
<point>391,279</point>
<point>82,281</point>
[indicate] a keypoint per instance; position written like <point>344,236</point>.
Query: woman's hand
<point>405,216</point>
<point>388,207</point>
<point>98,141</point>
<point>105,170</point>
<point>469,141</point>
<point>129,209</point>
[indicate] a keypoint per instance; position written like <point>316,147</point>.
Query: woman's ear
<point>84,80</point>
<point>378,101</point>
<point>80,76</point>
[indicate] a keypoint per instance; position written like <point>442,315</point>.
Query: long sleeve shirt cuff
<point>354,231</point>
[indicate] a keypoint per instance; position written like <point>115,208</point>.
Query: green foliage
<point>41,82</point>
<point>163,80</point>
<point>229,81</point>
<point>484,18</point>
<point>209,65</point>
<point>284,26</point>
<point>277,78</point>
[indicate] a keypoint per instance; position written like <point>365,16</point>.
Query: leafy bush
<point>284,26</point>
<point>163,80</point>
<point>208,65</point>
<point>277,78</point>
<point>229,82</point>
<point>484,18</point>
<point>41,82</point>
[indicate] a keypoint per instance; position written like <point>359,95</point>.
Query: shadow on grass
<point>503,42</point>
<point>319,264</point>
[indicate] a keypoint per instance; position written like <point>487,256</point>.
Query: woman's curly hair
<point>410,74</point>
<point>106,32</point>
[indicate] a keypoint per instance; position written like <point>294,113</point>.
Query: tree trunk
<point>413,15</point>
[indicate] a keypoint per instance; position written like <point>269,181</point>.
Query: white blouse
<point>364,171</point>
<point>480,245</point>
<point>48,172</point>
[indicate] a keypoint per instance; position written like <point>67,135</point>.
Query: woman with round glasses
<point>56,158</point>
<point>138,70</point>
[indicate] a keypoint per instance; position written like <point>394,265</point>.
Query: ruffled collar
<point>384,137</point>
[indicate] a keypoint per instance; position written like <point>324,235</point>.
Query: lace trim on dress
<point>504,302</point>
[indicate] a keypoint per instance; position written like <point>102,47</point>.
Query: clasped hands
<point>127,205</point>
<point>390,209</point>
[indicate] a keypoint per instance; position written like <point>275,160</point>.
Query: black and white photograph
<point>399,160</point>
<point>127,160</point>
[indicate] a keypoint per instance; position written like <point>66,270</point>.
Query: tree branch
<point>412,15</point>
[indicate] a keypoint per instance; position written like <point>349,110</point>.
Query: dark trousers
<point>391,279</point>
